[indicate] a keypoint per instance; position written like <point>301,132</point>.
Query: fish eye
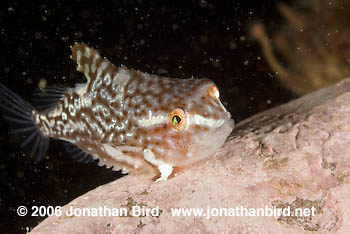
<point>178,119</point>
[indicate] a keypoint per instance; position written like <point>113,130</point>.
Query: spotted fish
<point>128,120</point>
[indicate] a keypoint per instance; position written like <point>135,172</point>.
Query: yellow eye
<point>178,119</point>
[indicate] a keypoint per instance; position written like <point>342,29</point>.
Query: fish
<point>128,120</point>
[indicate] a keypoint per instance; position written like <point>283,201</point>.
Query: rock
<point>296,155</point>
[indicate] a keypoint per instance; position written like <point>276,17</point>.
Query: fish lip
<point>219,123</point>
<point>227,119</point>
<point>228,123</point>
<point>232,121</point>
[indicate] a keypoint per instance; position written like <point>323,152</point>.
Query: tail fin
<point>19,116</point>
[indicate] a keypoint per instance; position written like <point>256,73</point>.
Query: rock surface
<point>296,155</point>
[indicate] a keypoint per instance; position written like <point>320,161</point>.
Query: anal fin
<point>77,154</point>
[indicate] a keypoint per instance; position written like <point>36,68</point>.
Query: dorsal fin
<point>91,63</point>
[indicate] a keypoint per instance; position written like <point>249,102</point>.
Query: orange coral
<point>314,45</point>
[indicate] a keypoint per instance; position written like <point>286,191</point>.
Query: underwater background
<point>170,38</point>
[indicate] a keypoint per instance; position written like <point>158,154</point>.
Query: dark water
<point>176,39</point>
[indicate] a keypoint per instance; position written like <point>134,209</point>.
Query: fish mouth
<point>226,127</point>
<point>210,122</point>
<point>224,122</point>
<point>207,143</point>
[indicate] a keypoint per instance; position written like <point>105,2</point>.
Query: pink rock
<point>296,155</point>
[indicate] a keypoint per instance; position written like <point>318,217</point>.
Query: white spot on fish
<point>87,52</point>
